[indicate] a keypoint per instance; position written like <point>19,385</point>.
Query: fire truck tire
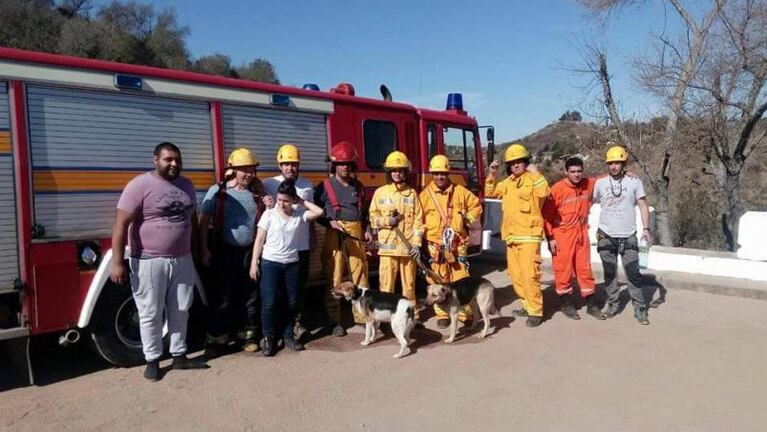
<point>114,329</point>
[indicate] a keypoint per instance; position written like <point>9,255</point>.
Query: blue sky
<point>508,58</point>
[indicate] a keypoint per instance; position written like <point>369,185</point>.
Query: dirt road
<point>698,366</point>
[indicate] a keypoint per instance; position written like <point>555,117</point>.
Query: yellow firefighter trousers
<point>524,265</point>
<point>335,263</point>
<point>451,273</point>
<point>389,267</point>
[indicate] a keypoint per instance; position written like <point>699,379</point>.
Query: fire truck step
<point>14,346</point>
<point>13,333</point>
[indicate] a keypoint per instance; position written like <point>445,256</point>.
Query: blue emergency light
<point>280,100</point>
<point>314,87</point>
<point>454,101</point>
<point>131,82</point>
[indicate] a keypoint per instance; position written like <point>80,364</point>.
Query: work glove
<point>414,253</point>
<point>393,221</point>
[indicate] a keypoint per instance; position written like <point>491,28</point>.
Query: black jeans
<point>303,277</point>
<point>234,298</point>
<point>278,279</point>
<point>628,248</point>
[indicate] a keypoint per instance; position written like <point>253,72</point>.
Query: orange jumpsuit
<point>566,213</point>
<point>522,230</point>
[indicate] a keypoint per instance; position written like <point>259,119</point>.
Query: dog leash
<point>424,269</point>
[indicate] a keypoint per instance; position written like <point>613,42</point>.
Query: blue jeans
<point>279,279</point>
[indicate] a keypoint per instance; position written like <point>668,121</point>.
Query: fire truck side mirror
<point>490,144</point>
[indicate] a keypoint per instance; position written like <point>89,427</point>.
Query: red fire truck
<point>74,131</point>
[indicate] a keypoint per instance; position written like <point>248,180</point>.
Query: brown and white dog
<point>478,292</point>
<point>377,307</point>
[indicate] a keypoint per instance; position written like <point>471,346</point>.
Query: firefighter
<point>288,161</point>
<point>448,209</point>
<point>343,254</point>
<point>566,215</point>
<point>523,193</point>
<point>619,195</point>
<point>395,213</point>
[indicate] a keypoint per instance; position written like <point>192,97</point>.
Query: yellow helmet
<point>396,159</point>
<point>240,157</point>
<point>288,153</point>
<point>515,152</point>
<point>616,154</point>
<point>439,163</point>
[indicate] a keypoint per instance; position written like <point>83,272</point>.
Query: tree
<point>167,41</point>
<point>668,73</point>
<point>258,70</point>
<point>29,25</point>
<point>729,99</point>
<point>215,64</point>
<point>571,116</point>
<point>123,31</point>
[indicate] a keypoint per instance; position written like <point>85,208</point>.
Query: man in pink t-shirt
<point>158,207</point>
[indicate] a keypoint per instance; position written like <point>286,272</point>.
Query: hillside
<point>695,199</point>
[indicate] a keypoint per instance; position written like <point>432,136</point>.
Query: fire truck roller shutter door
<point>86,145</point>
<point>9,255</point>
<point>263,131</point>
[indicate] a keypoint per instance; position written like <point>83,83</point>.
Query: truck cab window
<point>380,140</point>
<point>460,149</point>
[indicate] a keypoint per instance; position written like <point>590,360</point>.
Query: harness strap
<point>446,219</point>
<point>328,186</point>
<point>218,218</point>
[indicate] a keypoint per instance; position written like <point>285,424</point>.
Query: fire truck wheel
<point>115,327</point>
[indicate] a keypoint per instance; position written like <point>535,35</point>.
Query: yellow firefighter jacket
<point>521,201</point>
<point>389,201</point>
<point>466,209</point>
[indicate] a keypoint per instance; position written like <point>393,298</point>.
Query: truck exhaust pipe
<point>385,93</point>
<point>70,337</point>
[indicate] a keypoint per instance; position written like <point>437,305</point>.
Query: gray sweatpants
<point>163,286</point>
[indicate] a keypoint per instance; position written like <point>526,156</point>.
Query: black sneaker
<point>521,312</point>
<point>595,311</point>
<point>267,346</point>
<point>292,344</point>
<point>612,310</point>
<point>152,371</point>
<point>443,323</point>
<point>182,362</point>
<point>534,321</point>
<point>339,330</point>
<point>299,330</point>
<point>214,350</point>
<point>568,309</point>
<point>641,316</point>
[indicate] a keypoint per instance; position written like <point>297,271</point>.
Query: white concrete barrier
<point>749,263</point>
<point>752,236</point>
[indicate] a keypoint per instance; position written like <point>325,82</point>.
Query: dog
<point>478,292</point>
<point>377,307</point>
